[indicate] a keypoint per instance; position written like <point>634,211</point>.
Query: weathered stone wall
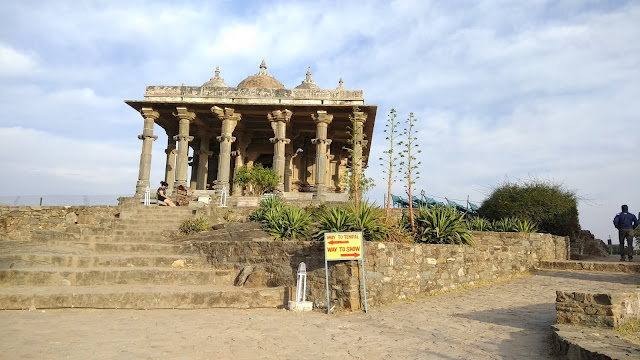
<point>597,309</point>
<point>19,222</point>
<point>393,271</point>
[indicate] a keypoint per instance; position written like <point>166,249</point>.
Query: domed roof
<point>216,81</point>
<point>261,80</point>
<point>307,83</point>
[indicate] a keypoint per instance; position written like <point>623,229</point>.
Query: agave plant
<point>287,222</point>
<point>267,205</point>
<point>442,225</point>
<point>503,225</point>
<point>365,217</point>
<point>335,219</point>
<point>478,223</point>
<point>369,219</point>
<point>525,226</point>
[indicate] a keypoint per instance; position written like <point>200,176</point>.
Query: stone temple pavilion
<point>301,133</point>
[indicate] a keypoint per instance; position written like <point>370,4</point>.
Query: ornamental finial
<point>217,76</point>
<point>308,79</point>
<point>340,85</point>
<point>263,68</point>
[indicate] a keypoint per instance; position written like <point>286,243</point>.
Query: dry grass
<point>630,331</point>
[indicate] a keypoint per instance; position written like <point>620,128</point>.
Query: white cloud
<point>44,164</point>
<point>502,89</point>
<point>15,63</point>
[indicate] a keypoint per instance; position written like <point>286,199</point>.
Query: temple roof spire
<point>216,80</point>
<point>308,83</point>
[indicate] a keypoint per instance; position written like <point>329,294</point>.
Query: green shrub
<point>525,226</point>
<point>316,212</point>
<point>553,208</point>
<point>287,223</point>
<point>513,224</point>
<point>365,218</point>
<point>442,225</point>
<point>477,223</point>
<point>369,219</point>
<point>195,225</point>
<point>503,225</point>
<point>256,180</point>
<point>266,205</point>
<point>335,219</point>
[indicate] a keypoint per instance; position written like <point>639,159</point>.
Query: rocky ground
<point>507,320</point>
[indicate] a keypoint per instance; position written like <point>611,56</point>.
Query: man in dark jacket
<point>625,223</point>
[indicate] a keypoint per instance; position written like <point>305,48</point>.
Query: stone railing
<point>393,271</point>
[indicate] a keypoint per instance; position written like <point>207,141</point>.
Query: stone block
<point>300,306</point>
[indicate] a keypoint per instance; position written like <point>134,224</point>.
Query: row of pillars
<point>278,119</point>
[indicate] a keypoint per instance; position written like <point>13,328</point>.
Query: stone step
<point>141,297</point>
<point>85,248</point>
<point>126,247</point>
<point>621,267</point>
<point>46,276</point>
<point>21,261</point>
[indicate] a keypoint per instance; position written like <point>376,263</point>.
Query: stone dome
<point>308,83</point>
<point>261,80</point>
<point>215,81</point>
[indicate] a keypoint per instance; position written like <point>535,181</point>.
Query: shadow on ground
<point>531,329</point>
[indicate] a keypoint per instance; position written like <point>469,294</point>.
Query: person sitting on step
<point>162,195</point>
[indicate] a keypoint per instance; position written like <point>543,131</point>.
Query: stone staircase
<point>134,262</point>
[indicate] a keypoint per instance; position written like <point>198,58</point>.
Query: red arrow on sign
<point>350,255</point>
<point>337,242</point>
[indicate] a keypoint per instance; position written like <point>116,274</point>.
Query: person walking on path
<point>625,222</point>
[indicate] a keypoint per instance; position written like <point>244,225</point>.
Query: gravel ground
<point>507,320</point>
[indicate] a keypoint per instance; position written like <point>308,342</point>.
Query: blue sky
<point>501,89</point>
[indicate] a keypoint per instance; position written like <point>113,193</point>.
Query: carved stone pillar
<point>203,162</point>
<point>239,154</point>
<point>183,138</point>
<point>331,171</point>
<point>147,137</point>
<point>229,119</point>
<point>279,120</point>
<point>288,168</point>
<point>170,168</point>
<point>322,120</point>
<point>360,118</point>
<point>194,168</point>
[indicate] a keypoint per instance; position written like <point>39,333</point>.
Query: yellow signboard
<point>343,246</point>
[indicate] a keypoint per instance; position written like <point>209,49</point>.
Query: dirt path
<point>508,320</point>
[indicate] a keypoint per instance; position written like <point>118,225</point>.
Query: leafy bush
<point>365,218</point>
<point>513,224</point>
<point>267,205</point>
<point>549,205</point>
<point>335,219</point>
<point>442,225</point>
<point>503,225</point>
<point>287,222</point>
<point>196,225</point>
<point>316,212</point>
<point>477,223</point>
<point>256,180</point>
<point>525,226</point>
<point>369,219</point>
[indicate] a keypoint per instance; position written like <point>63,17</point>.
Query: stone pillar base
<point>300,306</point>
